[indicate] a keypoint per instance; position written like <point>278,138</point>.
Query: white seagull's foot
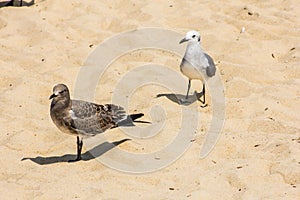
<point>204,105</point>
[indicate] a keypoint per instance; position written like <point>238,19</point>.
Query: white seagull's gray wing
<point>211,69</point>
<point>90,119</point>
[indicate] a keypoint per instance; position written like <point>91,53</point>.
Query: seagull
<point>85,119</point>
<point>196,64</point>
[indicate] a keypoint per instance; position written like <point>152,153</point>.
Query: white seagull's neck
<point>193,50</point>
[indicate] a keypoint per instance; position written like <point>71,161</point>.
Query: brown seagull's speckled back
<point>91,119</point>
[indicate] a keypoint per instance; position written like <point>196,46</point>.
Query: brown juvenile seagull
<point>84,119</point>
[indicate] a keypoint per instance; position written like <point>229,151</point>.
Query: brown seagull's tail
<point>133,117</point>
<point>130,119</point>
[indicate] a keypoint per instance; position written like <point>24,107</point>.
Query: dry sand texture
<point>257,155</point>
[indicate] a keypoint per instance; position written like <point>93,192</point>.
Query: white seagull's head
<point>191,36</point>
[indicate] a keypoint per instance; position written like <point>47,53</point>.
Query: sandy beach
<point>257,154</point>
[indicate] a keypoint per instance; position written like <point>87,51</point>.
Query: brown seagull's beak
<point>52,96</point>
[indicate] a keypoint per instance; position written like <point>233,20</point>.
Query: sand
<point>257,155</point>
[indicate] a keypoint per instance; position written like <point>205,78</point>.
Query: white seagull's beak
<point>183,40</point>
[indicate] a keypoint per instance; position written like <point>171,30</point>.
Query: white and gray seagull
<point>196,64</point>
<point>85,119</point>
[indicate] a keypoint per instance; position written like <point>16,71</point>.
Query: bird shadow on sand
<point>88,155</point>
<point>180,98</point>
<point>16,3</point>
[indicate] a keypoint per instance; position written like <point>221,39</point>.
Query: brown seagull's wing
<point>89,119</point>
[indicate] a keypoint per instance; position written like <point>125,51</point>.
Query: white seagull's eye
<point>193,36</point>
